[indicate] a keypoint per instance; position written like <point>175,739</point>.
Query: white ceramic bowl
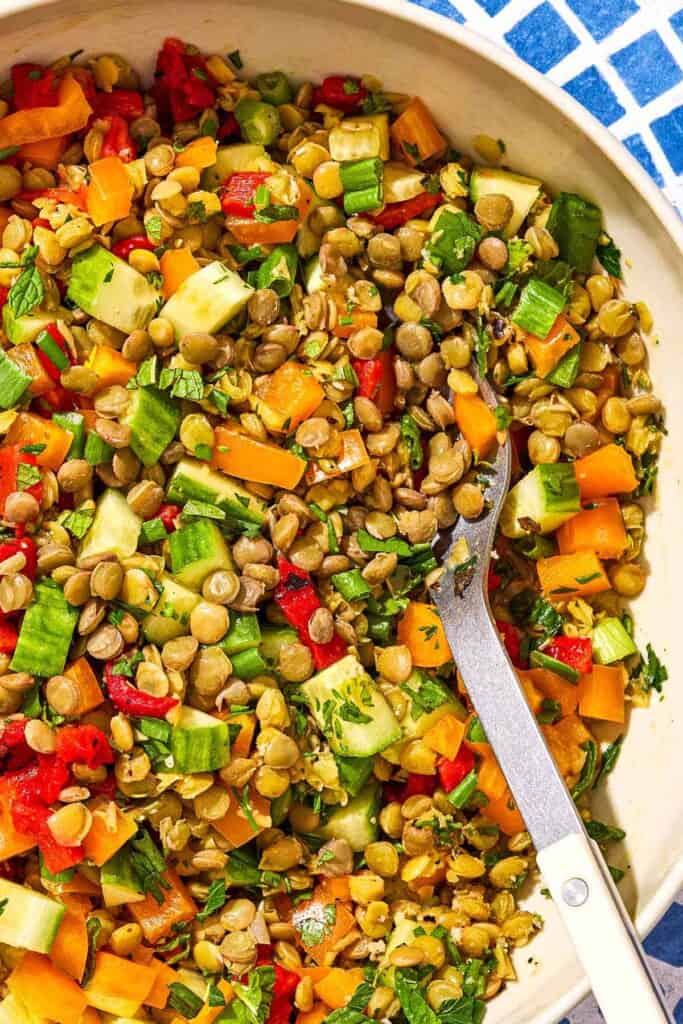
<point>473,86</point>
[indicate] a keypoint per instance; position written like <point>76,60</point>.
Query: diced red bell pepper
<point>117,140</point>
<point>452,772</point>
<point>27,547</point>
<point>377,379</point>
<point>168,515</point>
<point>183,85</point>
<point>125,247</point>
<point>4,292</point>
<point>127,103</point>
<point>34,86</point>
<point>297,597</point>
<point>58,399</point>
<point>11,457</point>
<point>59,194</point>
<point>512,639</point>
<point>396,214</point>
<point>131,701</point>
<point>84,744</point>
<point>54,775</point>
<point>340,91</point>
<point>575,651</point>
<point>48,364</point>
<point>493,581</point>
<point>86,80</point>
<point>418,785</point>
<point>238,191</point>
<point>58,858</point>
<point>8,638</point>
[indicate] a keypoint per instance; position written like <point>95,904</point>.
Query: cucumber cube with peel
<point>30,920</point>
<point>206,300</point>
<point>199,742</point>
<point>197,550</point>
<point>110,289</point>
<point>542,500</point>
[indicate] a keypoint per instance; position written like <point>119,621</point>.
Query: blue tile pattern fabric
<point>623,60</point>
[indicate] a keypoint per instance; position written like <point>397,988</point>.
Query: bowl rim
<point>412,12</point>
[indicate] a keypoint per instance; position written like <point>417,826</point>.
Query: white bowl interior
<point>469,92</point>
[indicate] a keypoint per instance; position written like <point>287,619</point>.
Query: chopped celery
<point>360,174</point>
<point>576,225</point>
<point>259,122</point>
<point>274,88</point>
<point>278,270</point>
<point>611,642</point>
<point>362,200</point>
<point>539,307</point>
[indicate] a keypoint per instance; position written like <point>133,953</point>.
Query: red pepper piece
<point>512,639</point>
<point>53,371</point>
<point>127,103</point>
<point>418,785</point>
<point>58,858</point>
<point>34,86</point>
<point>237,193</point>
<point>452,772</point>
<point>86,80</point>
<point>377,379</point>
<point>229,127</point>
<point>396,214</point>
<point>4,292</point>
<point>124,248</point>
<point>53,776</point>
<point>117,140</point>
<point>131,701</point>
<point>8,638</point>
<point>11,457</point>
<point>84,744</point>
<point>107,787</point>
<point>340,91</point>
<point>58,399</point>
<point>183,83</point>
<point>493,581</point>
<point>168,515</point>
<point>13,734</point>
<point>575,651</point>
<point>27,547</point>
<point>60,195</point>
<point>296,596</point>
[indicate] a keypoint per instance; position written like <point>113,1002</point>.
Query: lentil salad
<point>241,780</point>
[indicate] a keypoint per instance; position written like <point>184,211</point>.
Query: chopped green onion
<point>611,642</point>
<point>453,240</point>
<point>538,659</point>
<point>49,347</point>
<point>362,200</point>
<point>274,88</point>
<point>567,370</point>
<point>462,793</point>
<point>360,174</point>
<point>152,531</point>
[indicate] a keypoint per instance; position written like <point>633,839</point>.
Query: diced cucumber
<point>273,639</point>
<point>244,156</point>
<point>542,500</point>
<point>171,615</point>
<point>194,480</point>
<point>45,635</point>
<point>349,709</point>
<point>97,450</point>
<point>197,549</point>
<point>29,920</point>
<point>611,642</point>
<point>354,772</point>
<point>357,822</point>
<point>206,300</point>
<point>423,693</point>
<point>199,742</point>
<point>243,634</point>
<point>153,419</point>
<point>20,329</point>
<point>110,289</point>
<point>119,880</point>
<point>13,382</point>
<point>567,370</point>
<point>75,424</point>
<point>115,529</point>
<point>402,182</point>
<point>248,664</point>
<point>521,191</point>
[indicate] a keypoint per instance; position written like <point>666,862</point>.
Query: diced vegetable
<point>157,920</point>
<point>522,192</point>
<point>259,122</point>
<point>446,736</point>
<point>244,457</point>
<point>176,266</point>
<point>153,418</point>
<point>46,632</point>
<point>539,307</point>
<point>420,629</point>
<point>476,422</point>
<point>236,825</point>
<point>541,501</point>
<point>110,191</point>
<point>114,530</point>
<point>110,830</point>
<point>27,361</point>
<point>70,115</point>
<point>565,576</point>
<point>46,991</point>
<point>206,300</point>
<point>117,985</point>
<point>611,642</point>
<point>74,422</point>
<point>30,920</point>
<point>554,688</point>
<point>69,951</point>
<point>288,396</point>
<point>416,134</point>
<point>196,481</point>
<point>357,822</point>
<point>601,694</point>
<point>197,549</point>
<point>548,352</point>
<point>606,471</point>
<point>454,237</point>
<point>199,153</point>
<point>13,382</point>
<point>503,812</point>
<point>278,270</point>
<point>576,225</point>
<point>598,527</point>
<point>111,290</point>
<point>171,615</point>
<point>199,742</point>
<point>28,429</point>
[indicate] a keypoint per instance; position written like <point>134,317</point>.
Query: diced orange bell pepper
<point>351,320</point>
<point>241,745</point>
<point>315,1016</point>
<point>69,950</point>
<point>46,991</point>
<point>565,576</point>
<point>12,842</point>
<point>546,352</point>
<point>533,695</point>
<point>601,694</point>
<point>30,429</point>
<point>26,358</point>
<point>248,231</point>
<point>46,154</point>
<point>607,470</point>
<point>235,826</point>
<point>446,736</point>
<point>110,192</point>
<point>117,985</point>
<point>476,423</point>
<point>176,265</point>
<point>70,115</point>
<point>242,456</point>
<point>333,889</point>
<point>110,366</point>
<point>89,693</point>
<point>490,779</point>
<point>158,995</point>
<point>292,393</point>
<point>599,528</point>
<point>111,828</point>
<point>420,629</point>
<point>338,985</point>
<point>503,812</point>
<point>352,456</point>
<point>199,153</point>
<point>554,687</point>
<point>157,920</point>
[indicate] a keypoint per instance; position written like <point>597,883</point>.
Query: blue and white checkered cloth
<point>623,60</point>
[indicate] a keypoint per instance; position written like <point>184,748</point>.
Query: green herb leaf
<point>236,58</point>
<point>28,291</point>
<point>27,476</point>
<point>602,833</point>
<point>410,434</point>
<point>79,522</point>
<point>654,672</point>
<point>503,417</point>
<point>587,778</point>
<point>215,899</point>
<point>610,257</point>
<point>154,227</point>
<point>610,757</point>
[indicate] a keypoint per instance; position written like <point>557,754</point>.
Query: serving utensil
<point>571,863</point>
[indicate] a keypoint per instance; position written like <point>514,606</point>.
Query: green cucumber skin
<point>195,481</point>
<point>200,750</point>
<point>197,550</point>
<point>248,664</point>
<point>273,639</point>
<point>357,822</point>
<point>153,419</point>
<point>110,289</point>
<point>75,424</point>
<point>46,632</point>
<point>97,450</point>
<point>13,382</point>
<point>244,633</point>
<point>31,919</point>
<point>354,772</point>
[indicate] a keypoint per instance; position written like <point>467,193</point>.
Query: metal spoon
<point>571,864</point>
